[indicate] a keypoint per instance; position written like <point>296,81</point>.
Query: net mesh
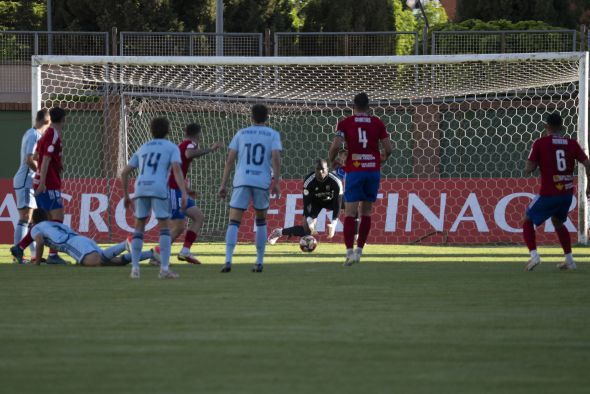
<point>461,133</point>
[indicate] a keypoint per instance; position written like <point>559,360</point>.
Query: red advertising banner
<point>455,211</point>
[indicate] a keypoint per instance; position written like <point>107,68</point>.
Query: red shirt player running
<point>555,155</point>
<point>362,134</point>
<point>189,150</point>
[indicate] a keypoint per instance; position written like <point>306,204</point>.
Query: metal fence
<point>506,41</point>
<point>346,44</point>
<point>17,47</point>
<point>190,44</point>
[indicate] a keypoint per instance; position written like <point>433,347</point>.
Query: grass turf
<point>409,319</point>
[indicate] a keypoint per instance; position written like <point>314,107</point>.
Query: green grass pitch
<point>409,319</point>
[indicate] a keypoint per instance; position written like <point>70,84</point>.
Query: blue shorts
<point>175,199</point>
<point>160,207</point>
<point>49,200</point>
<point>241,197</point>
<point>544,207</point>
<point>361,186</point>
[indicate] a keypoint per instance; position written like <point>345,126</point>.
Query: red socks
<point>189,238</point>
<point>349,224</point>
<point>364,228</point>
<point>26,241</point>
<point>528,231</point>
<point>564,239</point>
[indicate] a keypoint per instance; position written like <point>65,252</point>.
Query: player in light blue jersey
<point>23,179</point>
<point>83,249</point>
<point>154,160</point>
<point>255,149</point>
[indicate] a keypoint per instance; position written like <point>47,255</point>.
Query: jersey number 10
<point>254,154</point>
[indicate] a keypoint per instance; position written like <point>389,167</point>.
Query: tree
<point>22,15</point>
<point>553,12</point>
<point>404,20</point>
<point>347,15</point>
<point>101,15</point>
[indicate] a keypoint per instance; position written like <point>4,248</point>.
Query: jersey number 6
<point>560,158</point>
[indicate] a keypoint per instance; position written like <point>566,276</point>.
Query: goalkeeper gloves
<point>332,228</point>
<point>311,222</point>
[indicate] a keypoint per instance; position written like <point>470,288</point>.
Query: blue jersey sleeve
<point>276,142</point>
<point>234,142</point>
<point>175,157</point>
<point>134,161</point>
<point>30,144</point>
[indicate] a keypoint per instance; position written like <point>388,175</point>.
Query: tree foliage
<point>22,15</point>
<point>564,13</point>
<point>347,15</point>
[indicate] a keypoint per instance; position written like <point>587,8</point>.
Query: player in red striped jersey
<point>555,155</point>
<point>362,134</point>
<point>189,150</point>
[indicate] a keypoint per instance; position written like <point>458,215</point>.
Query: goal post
<point>462,126</point>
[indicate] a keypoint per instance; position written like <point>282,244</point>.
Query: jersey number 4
<point>363,137</point>
<point>560,160</point>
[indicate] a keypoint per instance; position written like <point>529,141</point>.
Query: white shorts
<point>161,207</point>
<point>241,197</point>
<point>25,198</point>
<point>79,247</point>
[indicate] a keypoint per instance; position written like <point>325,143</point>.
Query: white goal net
<point>462,127</point>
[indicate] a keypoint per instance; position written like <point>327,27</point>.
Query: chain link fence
<point>17,47</point>
<point>506,41</point>
<point>346,44</point>
<point>190,44</point>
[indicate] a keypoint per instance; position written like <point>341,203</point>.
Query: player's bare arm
<point>125,184</point>
<point>31,162</point>
<point>530,167</point>
<point>179,178</point>
<point>43,174</point>
<point>194,153</point>
<point>276,170</point>
<point>229,165</point>
<point>387,148</point>
<point>334,148</point>
<point>39,249</point>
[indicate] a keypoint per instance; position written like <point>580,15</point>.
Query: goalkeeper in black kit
<point>321,190</point>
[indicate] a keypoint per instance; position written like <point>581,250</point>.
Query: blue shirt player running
<point>362,133</point>
<point>153,161</point>
<point>255,149</point>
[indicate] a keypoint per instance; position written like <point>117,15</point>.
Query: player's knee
<point>556,222</point>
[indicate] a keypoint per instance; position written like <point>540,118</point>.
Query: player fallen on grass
<point>189,150</point>
<point>153,161</point>
<point>23,179</point>
<point>82,249</point>
<point>362,134</point>
<point>555,155</point>
<point>255,149</point>
<point>321,190</point>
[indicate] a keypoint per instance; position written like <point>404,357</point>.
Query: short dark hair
<point>361,101</point>
<point>57,114</point>
<point>41,115</point>
<point>192,129</point>
<point>39,215</point>
<point>259,113</point>
<point>160,127</point>
<point>320,162</point>
<point>555,121</point>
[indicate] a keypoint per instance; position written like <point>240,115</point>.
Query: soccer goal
<point>462,127</point>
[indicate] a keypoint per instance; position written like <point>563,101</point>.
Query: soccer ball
<point>308,243</point>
